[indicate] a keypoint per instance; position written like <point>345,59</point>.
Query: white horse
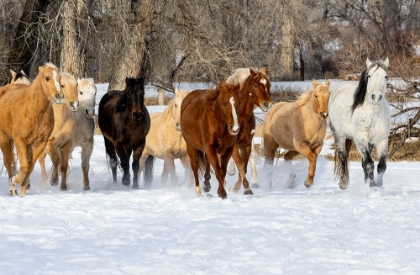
<point>360,113</point>
<point>79,134</point>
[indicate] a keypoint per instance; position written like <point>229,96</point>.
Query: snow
<point>168,230</point>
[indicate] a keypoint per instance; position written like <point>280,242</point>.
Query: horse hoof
<point>13,193</point>
<point>255,185</point>
<point>86,188</point>
<point>63,188</point>
<point>248,192</point>
<point>233,190</point>
<point>206,189</point>
<point>343,186</point>
<point>136,186</point>
<point>53,183</point>
<point>308,184</point>
<point>126,183</point>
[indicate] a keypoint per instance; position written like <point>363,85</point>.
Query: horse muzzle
<point>265,106</point>
<point>74,106</point>
<point>323,116</point>
<point>89,113</point>
<point>376,99</point>
<point>138,117</point>
<point>234,130</point>
<point>58,99</point>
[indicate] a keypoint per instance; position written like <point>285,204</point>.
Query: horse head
<point>135,97</point>
<point>50,80</point>
<point>377,77</point>
<point>176,107</point>
<point>19,78</point>
<point>321,95</point>
<point>86,92</point>
<point>69,87</point>
<point>260,88</point>
<point>228,101</point>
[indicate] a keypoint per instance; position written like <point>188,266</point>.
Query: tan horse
<point>27,119</point>
<point>19,78</point>
<point>60,142</point>
<point>165,141</point>
<point>298,127</point>
<point>73,128</point>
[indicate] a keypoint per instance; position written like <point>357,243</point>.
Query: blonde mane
<point>239,76</point>
<point>306,96</point>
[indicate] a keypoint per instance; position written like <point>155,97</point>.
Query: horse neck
<point>308,108</point>
<point>247,106</point>
<point>38,100</point>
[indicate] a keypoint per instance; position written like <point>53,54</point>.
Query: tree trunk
<point>131,60</point>
<point>287,51</point>
<point>25,43</point>
<point>75,30</point>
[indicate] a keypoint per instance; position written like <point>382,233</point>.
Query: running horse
<point>124,121</point>
<point>209,125</point>
<point>26,119</point>
<point>360,113</point>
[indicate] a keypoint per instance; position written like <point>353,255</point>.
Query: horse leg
<point>170,165</point>
<point>22,151</point>
<point>288,159</point>
<point>342,150</point>
<point>245,158</point>
<point>113,163</point>
<point>220,169</point>
<point>231,170</point>
<point>192,153</point>
<point>188,175</point>
<point>381,151</point>
<point>55,159</point>
<point>7,149</point>
<point>207,176</point>
<point>165,173</point>
<point>254,178</point>
<point>137,152</point>
<point>87,149</point>
<point>41,160</point>
<point>367,162</point>
<point>240,163</point>
<point>125,164</point>
<point>64,164</point>
<point>270,148</point>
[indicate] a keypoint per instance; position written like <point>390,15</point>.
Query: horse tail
<point>201,159</point>
<point>339,170</point>
<point>148,170</point>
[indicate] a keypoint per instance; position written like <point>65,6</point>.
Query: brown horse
<point>254,91</point>
<point>26,119</point>
<point>209,125</point>
<point>124,122</point>
<point>298,127</point>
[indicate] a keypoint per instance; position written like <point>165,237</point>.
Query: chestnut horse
<point>124,122</point>
<point>165,141</point>
<point>26,118</point>
<point>254,91</point>
<point>298,127</point>
<point>209,125</point>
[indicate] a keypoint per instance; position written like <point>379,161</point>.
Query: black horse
<point>124,121</point>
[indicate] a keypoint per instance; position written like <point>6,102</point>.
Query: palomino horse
<point>254,91</point>
<point>209,125</point>
<point>165,141</point>
<point>73,127</point>
<point>27,119</point>
<point>298,127</point>
<point>360,113</point>
<point>124,122</point>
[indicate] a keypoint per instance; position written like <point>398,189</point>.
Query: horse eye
<point>316,96</point>
<point>368,76</point>
<point>386,77</point>
<point>255,85</point>
<point>176,105</point>
<point>81,92</point>
<point>47,78</point>
<point>224,103</point>
<point>62,86</point>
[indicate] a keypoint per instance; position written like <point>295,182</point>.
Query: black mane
<point>360,94</point>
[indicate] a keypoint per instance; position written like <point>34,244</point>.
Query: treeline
<point>203,40</point>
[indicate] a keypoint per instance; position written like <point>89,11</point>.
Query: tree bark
<point>130,63</point>
<point>75,31</point>
<point>287,42</point>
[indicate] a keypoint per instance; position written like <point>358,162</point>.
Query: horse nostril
<point>380,97</point>
<point>373,97</point>
<point>57,96</point>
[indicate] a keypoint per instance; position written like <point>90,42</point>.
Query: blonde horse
<point>165,141</point>
<point>73,128</point>
<point>19,77</point>
<point>27,119</point>
<point>298,127</point>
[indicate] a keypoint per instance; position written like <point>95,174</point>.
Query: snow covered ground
<point>168,230</point>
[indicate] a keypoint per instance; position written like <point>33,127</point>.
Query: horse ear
<point>176,91</point>
<point>264,71</point>
<point>251,72</point>
<point>386,62</point>
<point>327,83</point>
<point>314,83</point>
<point>13,73</point>
<point>368,62</point>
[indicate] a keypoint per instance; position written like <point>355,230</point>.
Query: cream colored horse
<point>19,78</point>
<point>165,141</point>
<point>298,127</point>
<point>75,128</point>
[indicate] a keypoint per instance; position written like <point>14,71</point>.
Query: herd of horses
<point>205,129</point>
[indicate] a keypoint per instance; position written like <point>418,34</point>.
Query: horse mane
<point>304,97</point>
<point>239,76</point>
<point>361,90</point>
<point>121,104</point>
<point>50,65</point>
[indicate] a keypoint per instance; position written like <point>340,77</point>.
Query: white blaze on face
<point>263,81</point>
<point>57,84</point>
<point>234,115</point>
